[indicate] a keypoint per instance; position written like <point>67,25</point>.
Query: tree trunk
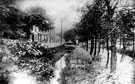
<point>103,45</point>
<point>120,40</point>
<point>133,48</point>
<point>123,49</point>
<point>95,51</point>
<point>110,11</point>
<point>99,47</point>
<point>87,44</point>
<point>107,46</point>
<point>92,46</point>
<point>111,47</point>
<point>113,52</point>
<point>124,43</point>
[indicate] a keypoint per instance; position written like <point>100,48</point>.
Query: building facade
<point>48,36</point>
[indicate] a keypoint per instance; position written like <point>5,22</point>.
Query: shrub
<point>4,79</point>
<point>30,56</point>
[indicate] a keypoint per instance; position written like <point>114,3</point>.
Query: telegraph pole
<point>61,39</point>
<point>61,30</point>
<point>133,45</point>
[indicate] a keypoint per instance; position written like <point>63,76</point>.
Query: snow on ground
<point>18,76</point>
<point>125,69</point>
<point>124,72</point>
<point>22,77</point>
<point>60,64</point>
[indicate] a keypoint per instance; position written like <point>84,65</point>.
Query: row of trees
<point>103,23</point>
<point>15,23</point>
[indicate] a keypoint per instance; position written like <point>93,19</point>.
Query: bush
<point>30,56</point>
<point>4,79</point>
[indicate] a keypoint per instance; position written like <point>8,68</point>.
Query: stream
<point>23,76</point>
<point>60,64</point>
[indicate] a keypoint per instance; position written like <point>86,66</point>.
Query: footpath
<point>124,70</point>
<point>96,72</point>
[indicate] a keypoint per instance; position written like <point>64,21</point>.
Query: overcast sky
<point>57,9</point>
<point>60,9</point>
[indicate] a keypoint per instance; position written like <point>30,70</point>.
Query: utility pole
<point>61,39</point>
<point>61,30</point>
<point>133,45</point>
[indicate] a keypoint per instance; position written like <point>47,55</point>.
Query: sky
<point>61,10</point>
<point>64,11</point>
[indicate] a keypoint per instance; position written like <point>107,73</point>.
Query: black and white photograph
<point>67,41</point>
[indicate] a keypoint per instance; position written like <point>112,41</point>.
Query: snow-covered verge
<point>124,72</point>
<point>77,74</point>
<point>97,73</point>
